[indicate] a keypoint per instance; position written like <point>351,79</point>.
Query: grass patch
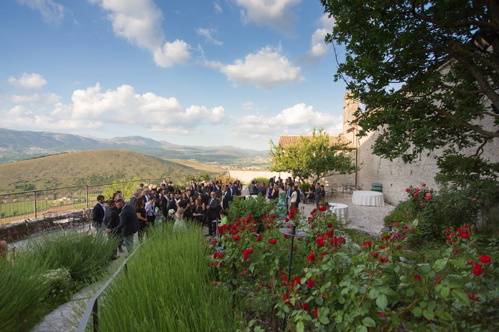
<point>46,274</point>
<point>167,288</point>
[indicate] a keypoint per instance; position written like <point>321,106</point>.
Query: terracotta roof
<point>292,139</point>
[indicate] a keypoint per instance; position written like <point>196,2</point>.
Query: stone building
<point>394,175</point>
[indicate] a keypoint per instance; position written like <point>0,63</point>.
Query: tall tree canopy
<point>427,73</point>
<point>313,157</point>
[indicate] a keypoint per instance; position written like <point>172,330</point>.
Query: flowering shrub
<point>338,284</point>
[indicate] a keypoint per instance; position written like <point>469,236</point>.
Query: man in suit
<point>213,213</point>
<point>227,197</point>
<point>98,213</point>
<point>128,225</point>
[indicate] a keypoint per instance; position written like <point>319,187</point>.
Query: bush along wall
<point>46,274</point>
<point>339,284</point>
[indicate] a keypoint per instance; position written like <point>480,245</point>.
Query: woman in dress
<point>141,215</point>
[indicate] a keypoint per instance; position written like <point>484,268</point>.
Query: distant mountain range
<point>18,145</point>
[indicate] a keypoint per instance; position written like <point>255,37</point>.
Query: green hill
<point>87,167</point>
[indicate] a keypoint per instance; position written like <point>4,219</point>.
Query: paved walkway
<point>365,218</point>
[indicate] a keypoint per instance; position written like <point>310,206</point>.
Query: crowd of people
<point>203,202</point>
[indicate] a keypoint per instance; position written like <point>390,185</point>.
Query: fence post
<point>95,315</point>
<point>86,186</point>
<point>35,207</point>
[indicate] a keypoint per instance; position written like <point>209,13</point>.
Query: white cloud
<point>207,33</point>
<point>297,119</point>
<point>95,107</point>
<point>28,81</point>
<point>217,8</point>
<point>275,13</point>
<point>265,68</point>
<point>40,99</point>
<point>318,46</point>
<point>52,12</point>
<point>139,22</point>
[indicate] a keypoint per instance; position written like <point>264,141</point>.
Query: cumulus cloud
<point>318,47</point>
<point>275,13</point>
<point>297,119</point>
<point>28,81</point>
<point>208,33</point>
<point>52,12</point>
<point>95,107</point>
<point>266,68</point>
<point>139,22</point>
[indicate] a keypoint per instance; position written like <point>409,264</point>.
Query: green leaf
<point>382,302</point>
<point>369,322</point>
<point>428,314</point>
<point>300,327</point>
<point>417,312</point>
<point>440,264</point>
<point>361,328</point>
<point>373,293</point>
<point>461,296</point>
<point>324,320</point>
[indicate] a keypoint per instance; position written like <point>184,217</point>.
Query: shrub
<point>257,207</point>
<point>305,186</point>
<point>85,256</point>
<point>261,179</point>
<point>405,212</point>
<point>167,288</point>
<point>341,285</point>
<point>22,294</point>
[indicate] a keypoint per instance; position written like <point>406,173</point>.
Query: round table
<point>368,198</point>
<point>340,210</point>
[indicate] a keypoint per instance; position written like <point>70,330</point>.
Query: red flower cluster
<point>455,235</point>
<point>246,253</point>
<point>292,213</point>
<point>323,208</point>
<point>477,268</point>
<point>218,255</point>
<point>310,283</point>
<point>272,241</point>
<point>311,257</point>
<point>367,244</point>
<point>485,259</point>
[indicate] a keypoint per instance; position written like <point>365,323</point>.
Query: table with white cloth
<point>368,198</point>
<point>340,210</point>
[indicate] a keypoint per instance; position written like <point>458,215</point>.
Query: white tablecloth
<point>340,210</point>
<point>369,198</point>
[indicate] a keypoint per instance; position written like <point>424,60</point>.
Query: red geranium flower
<point>305,306</point>
<point>259,237</point>
<point>315,312</point>
<point>428,197</point>
<point>418,277</point>
<point>311,257</point>
<point>218,255</point>
<point>310,283</point>
<point>477,269</point>
<point>292,213</point>
<point>322,208</point>
<point>296,281</point>
<point>464,231</point>
<point>246,253</point>
<point>367,244</point>
<point>285,297</point>
<point>272,241</point>
<point>337,241</point>
<point>236,237</point>
<point>485,259</point>
<point>381,314</point>
<point>383,259</point>
<point>472,296</point>
<point>319,241</point>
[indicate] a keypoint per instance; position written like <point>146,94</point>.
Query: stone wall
<point>394,175</point>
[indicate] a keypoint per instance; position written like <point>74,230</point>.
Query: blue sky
<point>198,72</point>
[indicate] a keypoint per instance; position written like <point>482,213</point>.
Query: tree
<point>427,73</point>
<point>312,157</point>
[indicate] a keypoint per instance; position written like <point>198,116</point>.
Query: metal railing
<point>48,203</point>
<point>92,308</point>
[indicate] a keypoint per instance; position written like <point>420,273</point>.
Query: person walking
<point>98,213</point>
<point>128,224</point>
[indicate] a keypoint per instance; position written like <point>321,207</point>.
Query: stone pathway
<point>365,218</point>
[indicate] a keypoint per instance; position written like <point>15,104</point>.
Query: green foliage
<point>167,288</point>
<point>356,283</point>
<point>261,179</point>
<point>422,72</point>
<point>257,207</point>
<point>305,186</point>
<point>404,212</point>
<point>84,256</point>
<point>46,273</point>
<point>313,157</point>
<point>127,188</point>
<point>22,294</point>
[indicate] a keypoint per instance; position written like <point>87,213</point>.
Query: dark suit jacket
<point>98,214</point>
<point>129,223</point>
<point>213,208</point>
